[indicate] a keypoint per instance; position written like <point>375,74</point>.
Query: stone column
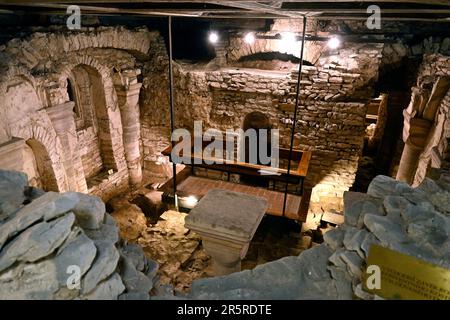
<point>128,97</point>
<point>63,121</point>
<point>415,134</point>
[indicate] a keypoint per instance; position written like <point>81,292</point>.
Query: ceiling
<point>400,10</point>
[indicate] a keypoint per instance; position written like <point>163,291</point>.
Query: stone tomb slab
<point>226,221</point>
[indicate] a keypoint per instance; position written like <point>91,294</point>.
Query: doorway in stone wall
<point>85,87</point>
<point>259,122</point>
<point>38,166</point>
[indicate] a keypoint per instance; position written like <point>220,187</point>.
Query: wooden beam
<point>259,7</point>
<point>425,2</point>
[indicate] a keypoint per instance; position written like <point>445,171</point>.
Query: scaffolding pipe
<point>172,111</point>
<point>297,98</point>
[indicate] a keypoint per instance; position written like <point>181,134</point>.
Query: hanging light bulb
<point>213,37</point>
<point>334,43</point>
<point>249,38</point>
<point>288,37</point>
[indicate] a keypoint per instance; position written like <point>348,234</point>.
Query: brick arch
<point>239,49</point>
<point>41,137</point>
<point>108,113</point>
<point>48,46</point>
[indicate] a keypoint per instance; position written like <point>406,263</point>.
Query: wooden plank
<point>181,176</point>
<point>304,164</point>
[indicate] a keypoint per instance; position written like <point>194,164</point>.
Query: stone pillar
<point>415,134</point>
<point>128,97</point>
<point>63,121</point>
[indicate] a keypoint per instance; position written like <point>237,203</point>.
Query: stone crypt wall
<point>74,116</point>
<point>69,113</point>
<point>331,120</point>
<point>427,121</point>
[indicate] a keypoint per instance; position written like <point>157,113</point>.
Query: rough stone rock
<point>385,230</point>
<point>414,213</point>
<point>304,277</point>
<point>362,294</point>
<point>89,210</point>
<point>336,259</point>
<point>78,250</point>
<point>12,187</point>
<point>104,265</point>
<point>134,296</point>
<point>108,231</point>
<point>441,201</point>
<point>131,220</point>
<point>108,289</point>
<point>334,238</point>
<point>37,241</point>
<point>342,282</point>
<point>29,281</point>
<point>354,241</point>
<point>134,280</point>
<point>367,243</point>
<point>135,254</point>
<point>394,206</point>
<point>382,186</point>
<point>353,262</point>
<point>46,207</point>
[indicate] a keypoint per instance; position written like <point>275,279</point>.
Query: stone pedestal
<point>128,97</point>
<point>227,222</point>
<point>63,120</point>
<point>11,154</point>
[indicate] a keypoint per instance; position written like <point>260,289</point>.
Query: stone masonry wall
<point>331,111</point>
<point>35,105</point>
<point>434,154</point>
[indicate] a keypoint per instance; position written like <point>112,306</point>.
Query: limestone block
<point>103,266</point>
<point>46,207</point>
<point>37,241</point>
<point>109,289</point>
<point>78,250</point>
<point>89,210</point>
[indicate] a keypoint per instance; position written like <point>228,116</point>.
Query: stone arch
<point>239,49</point>
<point>45,177</point>
<point>97,120</point>
<point>46,46</point>
<point>38,130</point>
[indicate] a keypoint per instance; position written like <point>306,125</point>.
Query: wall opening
<point>40,164</point>
<point>85,87</point>
<point>259,122</point>
<point>270,61</point>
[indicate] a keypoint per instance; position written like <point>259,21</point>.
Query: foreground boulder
<point>415,222</point>
<point>64,246</point>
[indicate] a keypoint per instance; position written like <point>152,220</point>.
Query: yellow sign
<point>403,277</point>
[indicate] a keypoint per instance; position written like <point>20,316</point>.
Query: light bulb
<point>249,38</point>
<point>288,37</point>
<point>334,43</point>
<point>213,37</point>
<point>191,201</point>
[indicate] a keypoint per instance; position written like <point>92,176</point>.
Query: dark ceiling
<point>400,10</point>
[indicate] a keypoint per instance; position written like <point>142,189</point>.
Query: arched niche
<point>85,87</point>
<point>37,162</point>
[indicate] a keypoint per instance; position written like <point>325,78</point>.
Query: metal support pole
<point>297,98</point>
<point>172,111</point>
